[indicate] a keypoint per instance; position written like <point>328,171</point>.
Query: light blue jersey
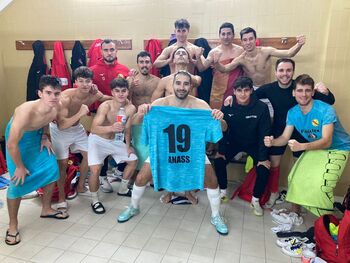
<point>310,125</point>
<point>177,139</point>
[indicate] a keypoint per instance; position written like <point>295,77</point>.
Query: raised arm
<point>164,58</point>
<point>323,143</point>
<point>290,52</point>
<point>97,123</point>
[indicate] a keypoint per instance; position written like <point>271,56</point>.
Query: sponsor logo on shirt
<point>251,117</point>
<point>315,122</point>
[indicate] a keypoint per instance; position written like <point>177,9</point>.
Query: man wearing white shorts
<point>105,140</point>
<point>67,133</point>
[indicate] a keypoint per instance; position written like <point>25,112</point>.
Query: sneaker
<point>31,195</point>
<point>258,211</point>
<point>72,194</point>
<point>224,199</point>
<point>294,251</point>
<point>272,200</point>
<point>106,186</point>
<point>291,218</point>
<point>290,241</point>
<point>219,224</point>
<point>127,214</point>
<point>281,197</point>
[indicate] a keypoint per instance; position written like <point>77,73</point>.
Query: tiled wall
<point>324,22</point>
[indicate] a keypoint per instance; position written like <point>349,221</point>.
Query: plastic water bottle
<point>121,117</point>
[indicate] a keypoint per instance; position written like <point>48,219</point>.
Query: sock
<point>123,188</point>
<point>94,197</point>
<point>223,192</point>
<point>214,200</point>
<point>136,195</point>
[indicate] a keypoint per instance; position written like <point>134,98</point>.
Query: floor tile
<point>47,255</point>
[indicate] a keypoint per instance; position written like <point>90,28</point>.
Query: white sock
<point>123,188</point>
<point>137,193</point>
<point>223,192</point>
<point>214,200</point>
<point>94,197</point>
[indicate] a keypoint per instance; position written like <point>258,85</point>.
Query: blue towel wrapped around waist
<point>42,167</point>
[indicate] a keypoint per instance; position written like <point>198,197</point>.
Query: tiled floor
<point>161,233</point>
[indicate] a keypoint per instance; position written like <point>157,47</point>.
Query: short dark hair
<point>183,72</point>
<point>188,54</point>
<point>83,72</point>
<point>182,23</point>
<point>304,79</point>
<point>243,82</point>
<point>285,60</point>
<point>246,31</point>
<point>48,80</point>
<point>227,25</point>
<point>107,41</point>
<point>142,54</point>
<point>119,82</point>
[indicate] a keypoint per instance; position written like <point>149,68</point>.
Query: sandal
<point>57,215</point>
<point>16,237</point>
<point>98,208</point>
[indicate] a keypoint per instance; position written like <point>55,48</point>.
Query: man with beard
<point>107,69</point>
<point>142,84</point>
<point>181,60</point>
<point>222,82</point>
<point>182,28</point>
<point>182,99</point>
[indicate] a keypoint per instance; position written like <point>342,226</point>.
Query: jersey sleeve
<point>290,119</point>
<point>329,116</point>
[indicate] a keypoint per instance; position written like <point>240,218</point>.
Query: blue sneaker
<point>127,214</point>
<point>219,224</point>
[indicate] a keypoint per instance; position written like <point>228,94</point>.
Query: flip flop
<point>56,215</point>
<point>98,208</point>
<point>15,236</point>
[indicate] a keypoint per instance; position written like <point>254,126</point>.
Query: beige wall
<point>324,22</point>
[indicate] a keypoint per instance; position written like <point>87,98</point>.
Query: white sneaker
<point>291,218</point>
<point>290,241</point>
<point>272,200</point>
<point>106,186</point>
<point>258,211</point>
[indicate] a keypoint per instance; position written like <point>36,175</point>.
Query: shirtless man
<point>226,49</point>
<point>182,28</point>
<point>222,82</point>
<point>181,98</point>
<point>105,140</point>
<point>142,84</point>
<point>29,152</point>
<point>256,61</point>
<point>67,132</point>
<point>181,60</point>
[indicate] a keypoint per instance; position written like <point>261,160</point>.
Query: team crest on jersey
<point>103,76</point>
<point>315,122</point>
